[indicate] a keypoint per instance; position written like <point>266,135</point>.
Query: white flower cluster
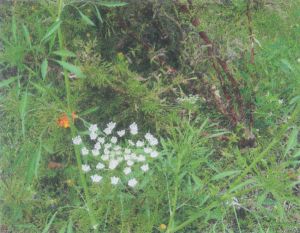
<point>113,154</point>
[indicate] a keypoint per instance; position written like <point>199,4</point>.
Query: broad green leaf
<point>225,174</point>
<point>112,4</point>
<point>86,19</point>
<point>292,142</point>
<point>51,31</point>
<point>74,69</point>
<point>6,82</point>
<point>47,227</point>
<point>26,35</point>
<point>44,68</point>
<point>64,53</point>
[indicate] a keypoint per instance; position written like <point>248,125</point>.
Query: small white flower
<point>100,166</point>
<point>114,140</point>
<point>132,182</point>
<point>93,135</point>
<point>127,151</point>
<point>121,133</point>
<point>84,151</point>
<point>101,140</point>
<point>77,140</point>
<point>141,158</point>
<point>105,157</point>
<point>95,152</point>
<point>97,146</point>
<point>147,150</point>
<point>114,180</point>
<point>280,101</point>
<point>130,163</point>
<point>131,143</point>
<point>139,143</point>
<point>107,145</point>
<point>106,151</point>
<point>127,157</point>
<point>96,178</point>
<point>127,170</point>
<point>153,141</point>
<point>117,148</point>
<point>133,156</point>
<point>145,167</point>
<point>93,128</point>
<point>154,154</point>
<point>111,125</point>
<point>148,136</point>
<point>107,131</point>
<point>113,164</point>
<point>133,128</point>
<point>85,167</point>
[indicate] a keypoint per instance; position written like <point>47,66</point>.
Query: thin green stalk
<point>73,129</point>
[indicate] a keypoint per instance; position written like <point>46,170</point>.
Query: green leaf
<point>292,142</point>
<point>51,31</point>
<point>86,19</point>
<point>74,69</point>
<point>23,110</point>
<point>64,53</point>
<point>70,227</point>
<point>6,82</point>
<point>44,68</point>
<point>98,14</point>
<point>14,28</point>
<point>89,111</point>
<point>33,166</point>
<point>112,4</point>
<point>26,35</point>
<point>225,174</point>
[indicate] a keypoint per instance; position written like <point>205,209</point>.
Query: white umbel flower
<point>107,131</point>
<point>154,154</point>
<point>114,140</point>
<point>85,167</point>
<point>133,128</point>
<point>93,128</point>
<point>147,150</point>
<point>111,125</point>
<point>113,164</point>
<point>95,152</point>
<point>139,143</point>
<point>101,140</point>
<point>77,140</point>
<point>84,151</point>
<point>141,158</point>
<point>100,166</point>
<point>96,178</point>
<point>145,167</point>
<point>97,146</point>
<point>130,163</point>
<point>127,170</point>
<point>132,182</point>
<point>93,136</point>
<point>114,180</point>
<point>121,133</point>
<point>151,139</point>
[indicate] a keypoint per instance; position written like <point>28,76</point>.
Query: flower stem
<point>73,129</point>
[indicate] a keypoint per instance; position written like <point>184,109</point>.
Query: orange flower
<point>63,120</point>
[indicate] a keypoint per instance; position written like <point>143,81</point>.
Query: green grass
<point>55,60</point>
